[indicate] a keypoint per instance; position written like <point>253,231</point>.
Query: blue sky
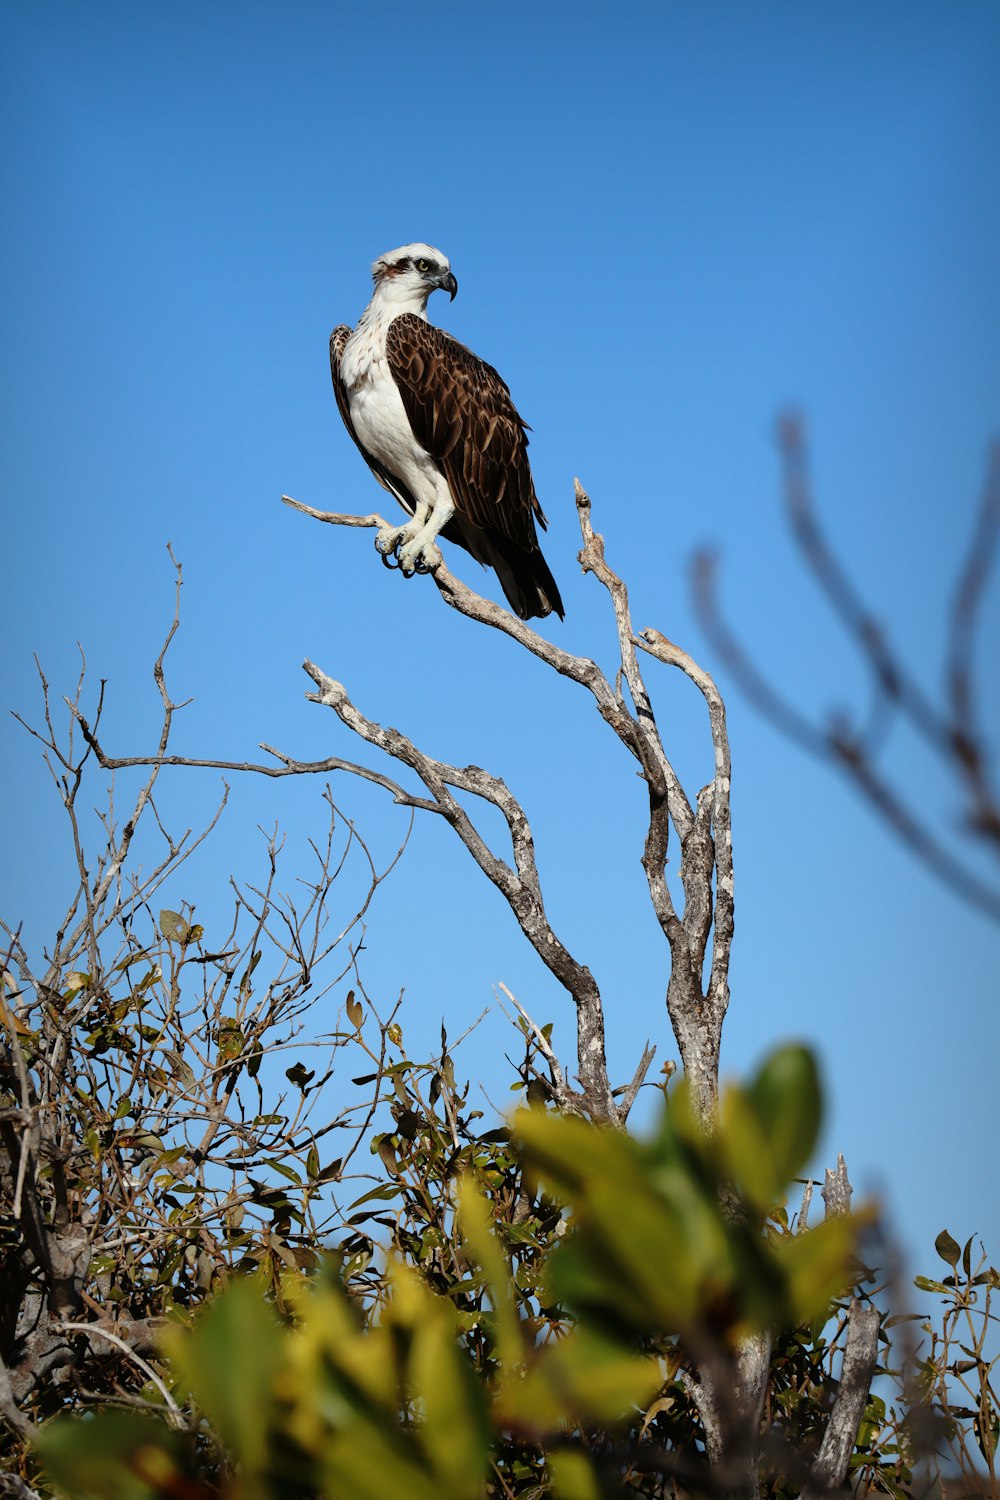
<point>667,222</point>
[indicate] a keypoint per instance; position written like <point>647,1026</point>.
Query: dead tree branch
<point>856,1374</point>
<point>520,886</point>
<point>702,829</point>
<point>857,1369</point>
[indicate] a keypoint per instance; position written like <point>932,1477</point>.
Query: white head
<point>406,277</point>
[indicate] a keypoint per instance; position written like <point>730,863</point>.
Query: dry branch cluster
<point>140,1138</point>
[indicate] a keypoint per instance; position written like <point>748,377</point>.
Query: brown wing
<point>338,339</point>
<point>461,412</point>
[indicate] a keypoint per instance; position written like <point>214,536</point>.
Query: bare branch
<point>519,886</point>
<point>98,1331</point>
<point>13,1487</point>
<point>288,766</point>
<point>592,560</point>
<point>837,1190</point>
<point>9,1409</point>
<point>857,1371</point>
<point>467,602</point>
<point>966,735</point>
<point>722,839</point>
<point>335,519</point>
<point>631,1093</point>
<point>833,579</point>
<point>563,1095</point>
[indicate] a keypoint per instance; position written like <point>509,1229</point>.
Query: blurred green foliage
<point>517,1350</point>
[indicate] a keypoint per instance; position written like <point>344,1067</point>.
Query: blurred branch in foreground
<point>952,728</point>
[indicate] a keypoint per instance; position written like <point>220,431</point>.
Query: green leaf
<point>375,1195</point>
<point>948,1249</point>
<point>286,1171</point>
<point>925,1284</point>
<point>363,1464</point>
<point>819,1266</point>
<point>454,1434</point>
<point>476,1227</point>
<point>113,1455</point>
<point>229,1363</point>
<point>572,1475</point>
<point>577,1380</point>
<point>145,1140</point>
<point>231,1039</point>
<point>388,1156</point>
<point>173,926</point>
<point>180,1069</point>
<point>246,990</point>
<point>788,1103</point>
<point>167,1158</point>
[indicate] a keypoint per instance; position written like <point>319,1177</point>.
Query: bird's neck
<point>392,298</point>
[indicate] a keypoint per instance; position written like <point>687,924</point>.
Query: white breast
<point>364,348</point>
<point>376,408</point>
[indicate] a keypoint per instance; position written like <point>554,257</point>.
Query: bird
<point>438,429</point>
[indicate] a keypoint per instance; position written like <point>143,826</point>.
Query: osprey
<point>438,429</point>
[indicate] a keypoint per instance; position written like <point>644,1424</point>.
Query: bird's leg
<point>389,539</point>
<point>418,552</point>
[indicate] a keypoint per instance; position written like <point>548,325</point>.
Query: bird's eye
<point>423,265</point>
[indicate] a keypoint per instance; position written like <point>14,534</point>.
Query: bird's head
<point>407,276</point>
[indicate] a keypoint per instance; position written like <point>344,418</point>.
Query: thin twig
<point>93,1330</point>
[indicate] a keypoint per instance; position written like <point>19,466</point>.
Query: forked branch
<point>702,828</point>
<point>518,884</point>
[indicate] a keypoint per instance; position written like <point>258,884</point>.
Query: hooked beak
<point>449,284</point>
